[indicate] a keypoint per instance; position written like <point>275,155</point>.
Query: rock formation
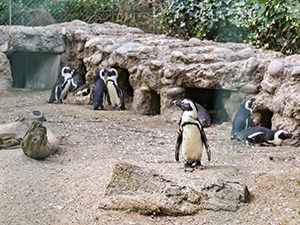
<point>12,135</point>
<point>140,190</point>
<point>155,69</point>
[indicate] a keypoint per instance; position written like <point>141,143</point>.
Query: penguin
<point>203,115</point>
<point>191,136</point>
<point>116,96</point>
<point>78,85</point>
<point>262,136</point>
<point>61,86</point>
<point>99,91</point>
<point>242,119</point>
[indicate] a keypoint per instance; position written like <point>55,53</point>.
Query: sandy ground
<point>66,188</point>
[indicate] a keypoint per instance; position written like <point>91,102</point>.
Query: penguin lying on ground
<point>61,86</point>
<point>203,115</point>
<point>78,85</point>
<point>191,136</point>
<point>242,119</point>
<point>99,91</point>
<point>263,136</point>
<point>115,93</point>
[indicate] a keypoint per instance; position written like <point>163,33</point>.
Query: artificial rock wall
<point>161,68</point>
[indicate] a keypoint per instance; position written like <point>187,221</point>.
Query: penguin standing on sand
<point>78,85</point>
<point>61,86</point>
<point>263,136</point>
<point>242,119</point>
<point>99,91</point>
<point>116,96</point>
<point>191,136</point>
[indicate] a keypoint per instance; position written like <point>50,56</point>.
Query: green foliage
<point>274,24</point>
<point>210,19</point>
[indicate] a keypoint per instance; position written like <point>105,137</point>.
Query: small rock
<point>296,71</point>
<point>250,65</point>
<point>168,74</point>
<point>275,68</point>
<point>175,55</point>
<point>268,87</point>
<point>155,64</point>
<point>175,91</point>
<point>145,49</point>
<point>249,88</point>
<point>96,59</point>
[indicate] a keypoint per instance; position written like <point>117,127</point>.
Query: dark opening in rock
<point>213,100</point>
<point>265,118</point>
<point>155,103</point>
<point>34,70</point>
<point>123,80</point>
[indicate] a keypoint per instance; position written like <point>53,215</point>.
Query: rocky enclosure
<point>155,69</point>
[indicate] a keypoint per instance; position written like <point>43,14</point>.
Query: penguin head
<point>281,135</point>
<point>66,70</point>
<point>113,73</point>
<point>247,104</point>
<point>184,104</point>
<point>101,74</point>
<point>188,107</point>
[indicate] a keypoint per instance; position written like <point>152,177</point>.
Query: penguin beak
<point>176,102</point>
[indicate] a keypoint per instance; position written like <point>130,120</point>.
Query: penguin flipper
<point>178,144</point>
<point>205,142</point>
<point>257,137</point>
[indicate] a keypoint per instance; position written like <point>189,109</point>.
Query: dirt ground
<point>66,188</point>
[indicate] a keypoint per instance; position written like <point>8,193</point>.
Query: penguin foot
<point>199,165</point>
<point>188,167</point>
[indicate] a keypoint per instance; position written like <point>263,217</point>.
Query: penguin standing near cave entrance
<point>262,136</point>
<point>191,136</point>
<point>78,85</point>
<point>61,86</point>
<point>99,91</point>
<point>115,93</point>
<point>243,117</point>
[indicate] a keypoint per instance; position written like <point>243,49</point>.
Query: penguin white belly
<point>65,90</point>
<point>113,95</point>
<point>191,144</point>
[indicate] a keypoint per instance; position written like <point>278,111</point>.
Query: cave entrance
<point>213,100</point>
<point>34,70</point>
<point>265,118</point>
<point>123,81</point>
<point>155,103</point>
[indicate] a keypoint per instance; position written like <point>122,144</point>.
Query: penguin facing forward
<point>78,85</point>
<point>191,136</point>
<point>242,119</point>
<point>61,86</point>
<point>262,136</point>
<point>203,115</point>
<point>115,93</point>
<point>99,91</point>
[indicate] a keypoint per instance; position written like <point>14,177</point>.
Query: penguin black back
<point>99,91</point>
<point>242,119</point>
<point>203,115</point>
<point>262,135</point>
<point>61,86</point>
